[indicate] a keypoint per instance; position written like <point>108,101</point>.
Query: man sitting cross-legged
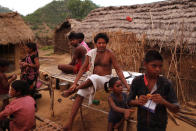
<point>100,61</point>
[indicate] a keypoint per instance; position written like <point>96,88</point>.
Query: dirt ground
<point>94,121</point>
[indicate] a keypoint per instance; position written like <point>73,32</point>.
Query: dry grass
<point>128,49</point>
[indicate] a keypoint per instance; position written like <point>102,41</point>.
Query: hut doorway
<point>7,52</point>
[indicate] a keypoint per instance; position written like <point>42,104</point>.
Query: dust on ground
<point>94,120</point>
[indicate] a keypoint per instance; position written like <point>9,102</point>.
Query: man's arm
<point>119,71</point>
<point>81,71</point>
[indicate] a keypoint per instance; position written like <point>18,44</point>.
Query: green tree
<point>4,9</point>
<point>80,9</point>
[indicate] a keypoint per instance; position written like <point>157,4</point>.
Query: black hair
<point>110,83</point>
<point>21,86</point>
<point>80,35</point>
<point>32,46</point>
<point>101,35</point>
<point>4,63</point>
<point>152,55</point>
<point>72,35</point>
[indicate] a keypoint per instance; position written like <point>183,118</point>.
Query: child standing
<point>30,64</point>
<point>155,94</point>
<point>118,105</point>
<point>30,68</point>
<point>22,108</point>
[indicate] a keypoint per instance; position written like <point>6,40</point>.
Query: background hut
<point>167,26</point>
<point>13,34</point>
<point>61,32</point>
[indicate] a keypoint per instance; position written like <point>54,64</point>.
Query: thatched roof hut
<point>13,33</point>
<point>61,40</point>
<point>164,21</point>
<point>169,26</point>
<point>13,29</point>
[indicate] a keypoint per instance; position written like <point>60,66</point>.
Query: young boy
<point>82,42</point>
<point>78,56</point>
<point>21,110</point>
<point>155,94</point>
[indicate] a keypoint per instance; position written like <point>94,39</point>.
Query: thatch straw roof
<point>13,29</point>
<point>166,21</point>
<point>67,24</point>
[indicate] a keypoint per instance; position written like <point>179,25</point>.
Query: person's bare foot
<point>67,93</point>
<point>67,127</point>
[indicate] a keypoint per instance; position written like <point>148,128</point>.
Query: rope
<point>103,112</point>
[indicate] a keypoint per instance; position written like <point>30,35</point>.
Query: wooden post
<point>51,92</point>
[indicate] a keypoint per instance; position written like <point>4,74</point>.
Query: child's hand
<point>149,96</point>
<point>24,64</point>
<point>14,77</point>
<point>127,113</point>
<point>157,98</point>
<point>142,100</point>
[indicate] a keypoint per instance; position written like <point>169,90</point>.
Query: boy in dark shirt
<point>155,94</point>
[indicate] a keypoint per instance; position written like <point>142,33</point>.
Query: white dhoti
<point>98,83</point>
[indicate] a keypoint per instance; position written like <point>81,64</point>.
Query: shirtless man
<point>78,55</point>
<point>101,73</point>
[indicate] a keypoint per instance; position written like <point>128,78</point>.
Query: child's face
<point>117,87</point>
<point>74,42</point>
<point>27,49</point>
<point>154,68</point>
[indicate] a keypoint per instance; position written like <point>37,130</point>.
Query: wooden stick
<point>172,118</point>
<point>51,92</point>
<point>185,120</point>
<point>39,118</point>
<point>191,105</point>
<point>187,113</point>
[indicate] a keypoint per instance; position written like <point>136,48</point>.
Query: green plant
<point>50,47</point>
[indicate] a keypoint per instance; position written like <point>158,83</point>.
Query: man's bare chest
<point>102,60</point>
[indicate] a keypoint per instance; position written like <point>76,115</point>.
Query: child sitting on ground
<point>155,94</point>
<point>118,105</point>
<point>21,109</point>
<point>5,81</point>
